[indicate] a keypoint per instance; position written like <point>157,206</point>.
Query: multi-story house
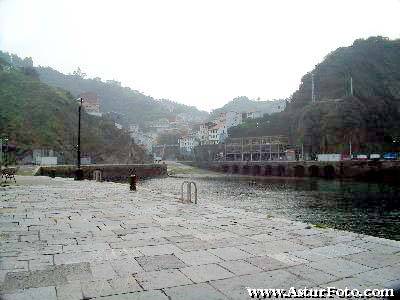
<point>252,115</point>
<point>217,133</point>
<point>187,143</point>
<point>203,133</point>
<point>91,103</point>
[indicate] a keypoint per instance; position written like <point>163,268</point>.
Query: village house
<point>91,103</point>
<point>187,143</point>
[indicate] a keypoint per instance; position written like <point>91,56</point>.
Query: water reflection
<point>370,208</point>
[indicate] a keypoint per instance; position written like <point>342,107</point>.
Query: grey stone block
<point>161,279</point>
<point>160,262</point>
<point>159,249</point>
<point>266,263</point>
<point>69,291</point>
<point>230,253</point>
<point>200,257</point>
<point>240,267</point>
<point>205,273</point>
<point>57,275</point>
<point>41,293</point>
<point>153,295</point>
<point>200,291</point>
<point>126,267</point>
<point>339,267</point>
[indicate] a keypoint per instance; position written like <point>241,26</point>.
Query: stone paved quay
<point>62,239</point>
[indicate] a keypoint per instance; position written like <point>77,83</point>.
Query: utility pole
<point>350,151</point>
<point>312,88</point>
<point>302,152</point>
<point>79,172</point>
<point>351,86</point>
<point>1,152</point>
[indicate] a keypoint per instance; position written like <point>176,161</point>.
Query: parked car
<point>329,157</point>
<point>362,157</point>
<point>374,156</point>
<point>390,156</point>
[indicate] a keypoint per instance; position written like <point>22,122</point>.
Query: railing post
<point>189,192</point>
<point>195,192</point>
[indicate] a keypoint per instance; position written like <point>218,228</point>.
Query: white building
<point>252,115</point>
<point>161,125</point>
<point>203,133</point>
<point>217,133</point>
<point>187,143</point>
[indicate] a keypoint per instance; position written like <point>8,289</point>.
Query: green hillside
<point>244,104</point>
<point>369,118</point>
<point>133,105</point>
<point>34,115</point>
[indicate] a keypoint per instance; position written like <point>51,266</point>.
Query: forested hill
<point>369,117</point>
<point>372,64</point>
<point>244,104</point>
<point>133,105</point>
<point>34,115</point>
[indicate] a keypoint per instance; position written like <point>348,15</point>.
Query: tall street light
<point>2,140</point>
<point>79,171</point>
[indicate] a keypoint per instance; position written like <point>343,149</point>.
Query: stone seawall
<point>367,170</point>
<point>106,172</point>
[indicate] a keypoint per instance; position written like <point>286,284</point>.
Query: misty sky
<point>202,52</point>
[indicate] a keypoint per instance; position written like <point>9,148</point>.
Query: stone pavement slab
<point>159,249</point>
<point>382,276</point>
<point>102,270</point>
<point>230,253</point>
<point>153,295</point>
<point>69,291</point>
<point>336,250</point>
<point>100,288</point>
<point>161,279</point>
<point>236,287</point>
<point>339,267</point>
<point>205,273</point>
<point>200,257</point>
<point>240,267</point>
<point>126,267</point>
<point>70,240</point>
<point>372,260</point>
<point>267,263</point>
<point>160,262</point>
<point>199,291</point>
<point>316,276</point>
<point>53,276</point>
<point>40,293</point>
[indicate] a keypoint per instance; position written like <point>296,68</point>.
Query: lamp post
<point>2,140</point>
<point>79,171</point>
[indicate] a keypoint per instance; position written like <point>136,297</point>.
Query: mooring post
<point>189,192</point>
<point>132,182</point>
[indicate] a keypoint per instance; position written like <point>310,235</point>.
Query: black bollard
<point>78,174</point>
<point>132,182</point>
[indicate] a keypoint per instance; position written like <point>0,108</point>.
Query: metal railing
<point>189,191</point>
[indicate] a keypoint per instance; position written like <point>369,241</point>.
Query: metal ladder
<point>189,191</point>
